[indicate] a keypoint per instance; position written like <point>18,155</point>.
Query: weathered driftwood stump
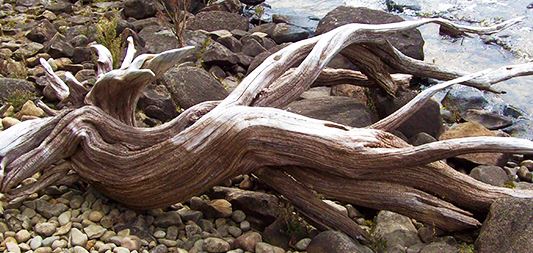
<point>94,137</point>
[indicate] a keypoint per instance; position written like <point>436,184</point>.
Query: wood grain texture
<point>245,133</point>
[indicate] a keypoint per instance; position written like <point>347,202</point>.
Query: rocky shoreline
<point>243,215</point>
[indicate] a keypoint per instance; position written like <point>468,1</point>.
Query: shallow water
<point>513,46</point>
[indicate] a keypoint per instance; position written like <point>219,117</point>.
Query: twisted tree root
<point>214,141</point>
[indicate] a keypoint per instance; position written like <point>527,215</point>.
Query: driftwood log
<point>93,137</point>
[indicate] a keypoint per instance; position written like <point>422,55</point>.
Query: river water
<point>512,46</point>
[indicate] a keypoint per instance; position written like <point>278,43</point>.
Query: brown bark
<point>214,141</point>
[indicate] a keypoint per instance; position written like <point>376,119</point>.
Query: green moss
<point>19,97</point>
<point>378,245</point>
<point>509,184</point>
<point>106,34</point>
<point>466,248</point>
<point>200,53</point>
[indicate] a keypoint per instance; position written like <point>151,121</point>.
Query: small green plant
<point>509,184</point>
<point>19,97</point>
<point>200,52</point>
<point>259,12</point>
<point>106,34</point>
<point>295,225</point>
<point>378,244</point>
<point>466,248</point>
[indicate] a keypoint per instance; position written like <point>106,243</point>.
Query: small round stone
<point>22,236</point>
<point>215,245</point>
<point>95,216</point>
<point>238,216</point>
<point>36,242</point>
<point>160,234</point>
<point>245,226</point>
<point>234,231</point>
<point>45,228</point>
<point>302,244</point>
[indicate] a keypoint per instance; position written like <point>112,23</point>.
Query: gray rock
<point>64,217</point>
<point>139,9</point>
<point>190,215</point>
<point>428,119</point>
<point>48,241</point>
<point>94,231</point>
<point>192,229</point>
<point>79,249</point>
<point>42,32</point>
<point>302,244</point>
<point>156,103</point>
<point>251,47</point>
<point>45,228</point>
<point>489,174</point>
<point>524,174</point>
<point>316,92</point>
<point>340,110</point>
<point>27,50</point>
<point>408,42</point>
<point>213,244</point>
<point>234,231</point>
<point>335,242</point>
<point>248,241</point>
<point>189,86</point>
<point>449,245</point>
<point>22,236</point>
<point>49,210</point>
<point>161,248</point>
<point>217,20</point>
<point>508,227</point>
<point>396,230</point>
<point>521,128</point>
<point>231,43</point>
<point>77,238</point>
<point>167,219</point>
<point>10,86</point>
<point>59,7</point>
<point>263,204</point>
<point>238,216</point>
<point>36,242</point>
<point>490,120</point>
<point>215,53</point>
<point>158,39</point>
<point>460,99</point>
<point>262,247</point>
<point>58,47</point>
<point>421,138</point>
<point>283,33</point>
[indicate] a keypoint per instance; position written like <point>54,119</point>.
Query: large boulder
<point>473,129</point>
<point>189,86</point>
<point>157,103</point>
<point>490,174</point>
<point>395,230</point>
<point>43,32</point>
<point>9,87</point>
<point>139,9</point>
<point>217,20</point>
<point>335,242</point>
<point>342,110</point>
<point>158,39</point>
<point>508,227</point>
<point>58,47</point>
<point>282,32</point>
<point>427,119</point>
<point>409,42</point>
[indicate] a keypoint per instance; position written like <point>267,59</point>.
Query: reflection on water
<point>469,54</point>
